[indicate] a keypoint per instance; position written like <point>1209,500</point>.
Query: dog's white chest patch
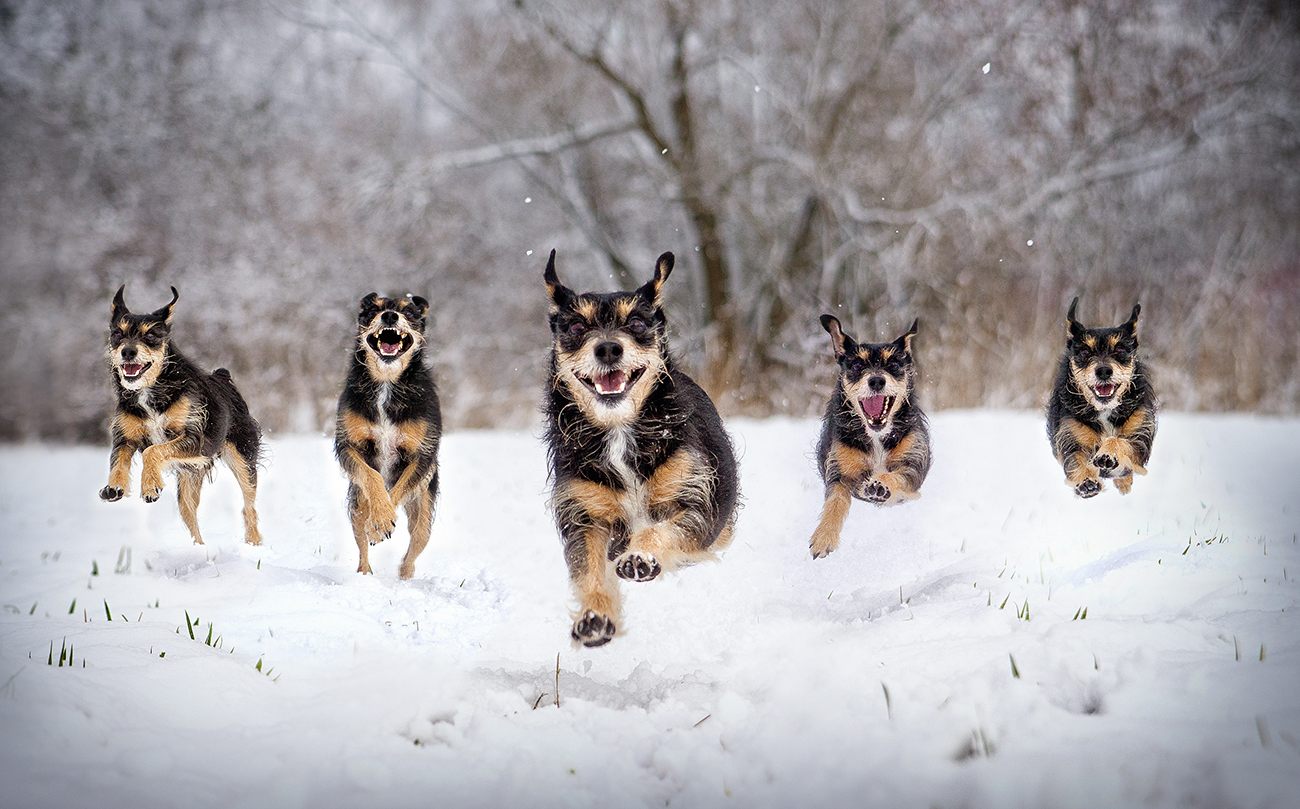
<point>876,456</point>
<point>385,434</point>
<point>153,420</point>
<point>620,448</point>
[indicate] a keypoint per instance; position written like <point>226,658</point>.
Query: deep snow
<point>880,676</point>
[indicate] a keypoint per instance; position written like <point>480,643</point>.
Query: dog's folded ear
<point>841,343</point>
<point>119,304</point>
<point>367,306</point>
<point>421,305</point>
<point>165,313</point>
<point>561,296</point>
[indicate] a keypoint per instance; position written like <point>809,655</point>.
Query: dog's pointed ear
<point>652,290</point>
<point>841,343</point>
<point>1073,329</point>
<point>561,296</point>
<point>119,304</point>
<point>1130,325</point>
<point>906,340</point>
<point>165,313</point>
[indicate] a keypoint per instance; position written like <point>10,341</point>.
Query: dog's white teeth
<point>610,384</point>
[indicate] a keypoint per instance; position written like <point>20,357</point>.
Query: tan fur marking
<point>899,489</point>
<point>671,477</point>
<point>374,504</point>
<point>624,309</point>
<point>410,434</point>
<point>1090,341</point>
<point>834,511</point>
<point>358,429</point>
<point>1124,484</point>
<point>189,484</point>
<point>360,533</point>
<point>408,483</point>
<point>419,521</point>
<point>248,488</point>
<point>596,585</point>
<point>853,464</point>
<point>133,429</point>
<point>119,473</point>
<point>586,310</point>
<point>600,502</point>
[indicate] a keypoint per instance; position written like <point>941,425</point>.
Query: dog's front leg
<point>586,551</point>
<point>158,458</point>
<point>374,511</point>
<point>836,508</point>
<point>119,472</point>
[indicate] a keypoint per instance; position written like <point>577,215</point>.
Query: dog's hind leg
<point>419,520</point>
<point>246,474</point>
<point>358,515</point>
<point>189,483</point>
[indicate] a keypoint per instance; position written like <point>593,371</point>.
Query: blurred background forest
<point>976,163</point>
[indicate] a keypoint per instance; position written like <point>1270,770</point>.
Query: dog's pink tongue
<point>389,348</point>
<point>873,406</point>
<point>132,368</point>
<point>611,382</point>
<point>1105,390</point>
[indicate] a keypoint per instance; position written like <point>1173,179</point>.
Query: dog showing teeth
<point>874,444</point>
<point>1101,419</point>
<point>178,417</point>
<point>389,427</point>
<point>643,475</point>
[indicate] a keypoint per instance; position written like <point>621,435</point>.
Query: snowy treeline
<point>973,164</point>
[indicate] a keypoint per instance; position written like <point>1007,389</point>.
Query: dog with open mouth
<point>643,474</point>
<point>875,444</point>
<point>177,417</point>
<point>389,427</point>
<point>1101,418</point>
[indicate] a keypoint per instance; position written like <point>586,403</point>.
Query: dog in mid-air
<point>643,473</point>
<point>1101,418</point>
<point>875,444</point>
<point>389,426</point>
<point>176,416</point>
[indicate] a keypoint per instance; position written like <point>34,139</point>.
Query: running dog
<point>643,473</point>
<point>389,426</point>
<point>1101,418</point>
<point>176,416</point>
<point>875,444</point>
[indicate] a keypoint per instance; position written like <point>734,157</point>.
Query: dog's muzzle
<point>611,385</point>
<point>390,344</point>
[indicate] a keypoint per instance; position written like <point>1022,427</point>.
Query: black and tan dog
<point>176,416</point>
<point>643,474</point>
<point>1101,419</point>
<point>389,426</point>
<point>875,444</point>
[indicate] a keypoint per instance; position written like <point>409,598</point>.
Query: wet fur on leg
<point>176,416</point>
<point>875,442</point>
<point>389,427</point>
<point>1101,418</point>
<point>643,474</point>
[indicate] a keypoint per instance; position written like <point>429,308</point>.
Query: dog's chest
<point>620,458</point>
<point>385,433</point>
<point>154,422</point>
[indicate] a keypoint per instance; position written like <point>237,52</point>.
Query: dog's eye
<point>115,335</point>
<point>576,329</point>
<point>857,367</point>
<point>152,339</point>
<point>1083,355</point>
<point>636,325</point>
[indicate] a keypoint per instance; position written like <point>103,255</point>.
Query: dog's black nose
<point>1103,373</point>
<point>876,383</point>
<point>389,318</point>
<point>128,353</point>
<point>609,352</point>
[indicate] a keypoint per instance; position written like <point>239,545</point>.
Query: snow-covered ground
<point>934,660</point>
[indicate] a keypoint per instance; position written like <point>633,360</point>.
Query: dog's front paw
<point>382,521</point>
<point>593,629</point>
<point>150,492</point>
<point>1105,461</point>
<point>875,492</point>
<point>111,494</point>
<point>1089,487</point>
<point>638,567</point>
